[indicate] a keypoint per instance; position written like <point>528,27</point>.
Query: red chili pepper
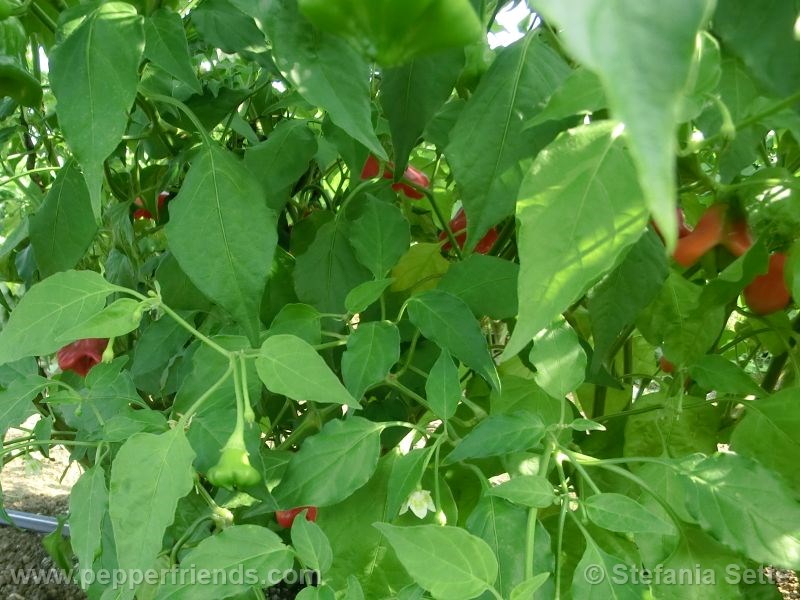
<point>143,213</point>
<point>709,232</point>
<point>82,355</point>
<point>372,168</point>
<point>285,518</point>
<point>737,237</point>
<point>458,225</point>
<point>665,365</point>
<point>768,293</point>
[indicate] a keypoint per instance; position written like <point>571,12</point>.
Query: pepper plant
<point>510,322</point>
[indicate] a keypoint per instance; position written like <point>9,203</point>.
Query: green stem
<point>391,382</point>
<point>201,400</point>
<point>188,112</point>
<point>249,415</point>
<point>186,325</point>
<point>530,529</point>
<point>27,173</point>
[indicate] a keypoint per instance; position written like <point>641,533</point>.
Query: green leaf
<point>399,31</point>
<point>117,319</point>
<point>559,359</point>
<point>504,526</point>
<point>312,545</point>
<point>443,387</point>
<point>354,590</point>
<point>380,236</point>
<point>531,491</point>
<point>259,552</point>
<point>526,589</point>
<point>768,434</point>
<point>322,592</point>
<point>581,93</point>
<point>331,465</point>
<point>596,577</point>
<point>166,46</point>
<point>732,279</point>
<point>406,474</point>
<point>715,372</point>
<point>363,296</point>
<point>412,94</point>
<point>616,512</point>
<point>447,561</point>
<point>644,65</point>
<point>300,320</point>
<point>333,74</point>
<point>230,261</point>
<point>745,507</point>
<point>64,226</point>
<point>150,473</point>
<point>579,208</point>
<point>88,502</point>
<point>675,322</point>
<point>50,308</point>
<point>280,160</point>
<point>419,268</point>
<point>447,320</point>
<point>372,350</point>
<point>16,402</point>
<point>94,78</point>
<point>223,25</point>
<point>156,349</point>
<point>487,142</point>
<point>486,283</point>
<point>290,366</point>
<point>499,434</point>
<point>765,37</point>
<point>616,301</point>
<point>328,270</point>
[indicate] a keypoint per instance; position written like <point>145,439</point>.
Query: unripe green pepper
<point>233,470</point>
<point>18,83</point>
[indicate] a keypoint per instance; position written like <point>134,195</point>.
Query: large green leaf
<point>503,526</point>
<point>531,491</point>
<point>329,269</point>
<point>616,301</point>
<point>744,506</point>
<point>166,46</point>
<point>331,465</point>
<point>715,372</point>
<point>596,577</point>
<point>326,71</point>
<point>223,25</point>
<point>412,94</point>
<point>290,366</point>
<point>487,142</point>
<point>280,160</point>
<point>380,236</point>
<point>257,551</point>
<point>559,358</point>
<point>486,283</point>
<point>644,62</point>
<point>311,545</point>
<point>676,320</point>
<point>764,36</point>
<point>768,433</point>
<point>447,320</point>
<point>94,78</point>
<point>372,350</point>
<point>50,308</point>
<point>88,502</point>
<point>499,434</point>
<point>148,476</point>
<point>617,512</point>
<point>223,235</point>
<point>449,562</point>
<point>64,226</point>
<point>579,208</point>
<point>16,402</point>
<point>443,387</point>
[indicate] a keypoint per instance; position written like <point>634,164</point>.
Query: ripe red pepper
<point>737,237</point>
<point>708,233</point>
<point>458,225</point>
<point>82,355</point>
<point>285,518</point>
<point>372,168</point>
<point>143,213</point>
<point>665,365</point>
<point>768,293</point>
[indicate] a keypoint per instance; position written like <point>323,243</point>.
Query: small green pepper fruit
<point>13,38</point>
<point>17,83</point>
<point>233,470</point>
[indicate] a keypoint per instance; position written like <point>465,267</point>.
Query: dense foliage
<point>333,285</point>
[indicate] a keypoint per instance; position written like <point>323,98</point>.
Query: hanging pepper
<point>372,168</point>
